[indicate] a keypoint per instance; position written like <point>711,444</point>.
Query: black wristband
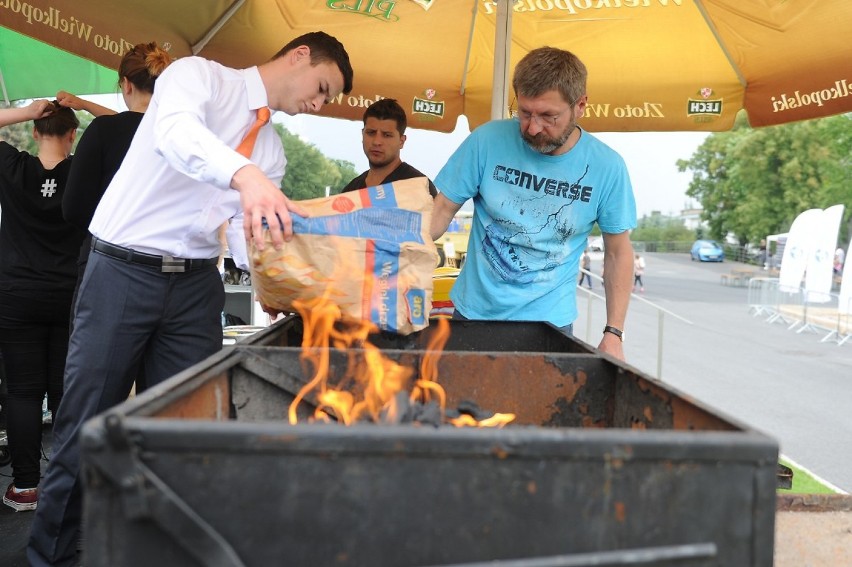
<point>617,332</point>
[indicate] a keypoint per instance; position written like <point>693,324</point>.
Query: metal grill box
<point>603,466</point>
<point>501,336</point>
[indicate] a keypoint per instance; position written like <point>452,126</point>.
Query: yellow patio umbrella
<point>654,65</point>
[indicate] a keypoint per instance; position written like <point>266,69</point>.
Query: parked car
<point>707,251</point>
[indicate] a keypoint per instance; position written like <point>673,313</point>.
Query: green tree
<point>659,228</point>
<point>347,173</point>
<point>308,171</point>
<point>754,182</point>
<point>85,119</point>
<point>20,135</point>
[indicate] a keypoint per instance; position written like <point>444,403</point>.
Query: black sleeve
<point>85,185</point>
<point>432,189</point>
<point>9,156</point>
<point>406,171</point>
<point>358,183</point>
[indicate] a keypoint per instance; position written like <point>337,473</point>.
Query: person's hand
<point>39,109</point>
<point>262,199</point>
<point>612,345</point>
<point>70,101</point>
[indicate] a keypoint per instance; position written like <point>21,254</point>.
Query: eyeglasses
<point>543,120</point>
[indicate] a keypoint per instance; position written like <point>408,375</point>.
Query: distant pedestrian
<point>638,272</point>
<point>586,265</point>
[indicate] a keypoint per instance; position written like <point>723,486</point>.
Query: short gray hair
<point>548,68</point>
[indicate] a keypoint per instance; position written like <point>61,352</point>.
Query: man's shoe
<point>26,499</point>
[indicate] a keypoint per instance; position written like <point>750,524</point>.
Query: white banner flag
<point>845,301</point>
<point>820,269</point>
<point>798,249</point>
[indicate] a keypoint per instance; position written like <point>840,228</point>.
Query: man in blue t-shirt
<point>539,184</point>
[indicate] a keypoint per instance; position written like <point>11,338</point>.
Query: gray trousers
<point>127,316</point>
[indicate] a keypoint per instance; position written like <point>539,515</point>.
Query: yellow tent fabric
<point>654,65</point>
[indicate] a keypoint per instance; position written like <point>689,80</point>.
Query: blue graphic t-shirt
<point>532,216</point>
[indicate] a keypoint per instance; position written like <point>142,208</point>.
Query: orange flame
<point>427,385</point>
<point>497,420</point>
<point>371,381</point>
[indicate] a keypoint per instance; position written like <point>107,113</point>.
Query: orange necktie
<point>247,145</point>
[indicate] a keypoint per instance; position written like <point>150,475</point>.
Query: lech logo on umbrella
<point>429,107</point>
<point>425,4</point>
<point>704,106</point>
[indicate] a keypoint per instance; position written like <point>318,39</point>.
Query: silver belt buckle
<point>172,265</point>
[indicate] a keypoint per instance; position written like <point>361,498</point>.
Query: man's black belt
<point>165,263</point>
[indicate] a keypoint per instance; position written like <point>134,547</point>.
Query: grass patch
<point>804,483</point>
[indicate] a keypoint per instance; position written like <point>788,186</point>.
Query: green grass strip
<point>804,483</point>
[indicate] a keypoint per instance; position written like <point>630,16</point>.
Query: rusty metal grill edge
<point>604,462</point>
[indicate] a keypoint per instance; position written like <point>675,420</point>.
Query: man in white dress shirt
<point>151,298</point>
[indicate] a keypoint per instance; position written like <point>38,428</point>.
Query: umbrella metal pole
<point>469,45</point>
<point>220,23</point>
<point>5,93</point>
<point>502,47</point>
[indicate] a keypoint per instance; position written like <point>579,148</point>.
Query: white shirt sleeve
<point>237,242</point>
<point>181,135</point>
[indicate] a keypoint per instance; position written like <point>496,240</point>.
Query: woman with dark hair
<point>37,276</point>
<point>106,140</point>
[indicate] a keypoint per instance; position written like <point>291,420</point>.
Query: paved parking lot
<point>788,385</point>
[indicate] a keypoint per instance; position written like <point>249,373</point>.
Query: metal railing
<point>678,246</point>
<point>766,298</point>
<point>733,252</point>
<point>592,299</point>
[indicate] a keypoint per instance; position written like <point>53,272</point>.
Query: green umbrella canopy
<point>32,69</point>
